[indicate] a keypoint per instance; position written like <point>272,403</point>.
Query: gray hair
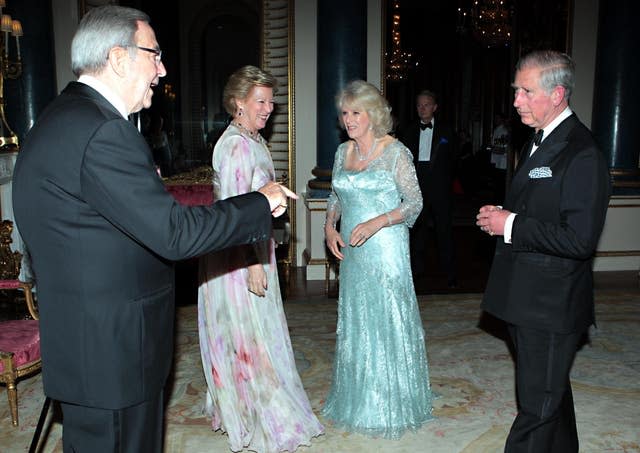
<point>241,82</point>
<point>428,94</point>
<point>362,95</point>
<point>99,31</point>
<point>556,69</point>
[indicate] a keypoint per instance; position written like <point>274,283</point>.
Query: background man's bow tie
<point>424,126</point>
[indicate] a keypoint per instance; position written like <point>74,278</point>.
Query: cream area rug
<point>471,370</point>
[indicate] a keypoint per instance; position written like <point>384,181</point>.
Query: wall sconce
<point>10,69</point>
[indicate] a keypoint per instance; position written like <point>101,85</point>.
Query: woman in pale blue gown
<point>380,381</point>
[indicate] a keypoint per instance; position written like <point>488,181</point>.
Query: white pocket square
<point>540,172</point>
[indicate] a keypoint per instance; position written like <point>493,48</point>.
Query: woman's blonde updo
<point>361,95</point>
<point>241,82</point>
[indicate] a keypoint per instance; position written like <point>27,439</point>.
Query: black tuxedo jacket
<point>441,161</point>
<point>103,232</point>
<point>544,278</point>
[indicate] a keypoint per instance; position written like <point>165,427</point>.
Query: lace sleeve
<point>407,183</point>
<point>334,209</point>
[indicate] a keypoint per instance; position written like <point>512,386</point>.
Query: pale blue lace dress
<point>380,381</point>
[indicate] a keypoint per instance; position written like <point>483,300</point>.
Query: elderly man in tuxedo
<point>541,281</point>
<point>103,232</point>
<point>432,144</point>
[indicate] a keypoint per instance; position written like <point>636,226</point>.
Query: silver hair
<point>362,95</point>
<point>241,82</point>
<point>99,31</point>
<point>556,69</point>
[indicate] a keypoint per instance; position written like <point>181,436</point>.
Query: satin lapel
<point>435,143</point>
<point>544,155</point>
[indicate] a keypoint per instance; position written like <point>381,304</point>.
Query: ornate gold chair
<point>19,339</point>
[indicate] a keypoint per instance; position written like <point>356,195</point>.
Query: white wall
<point>65,23</point>
<point>306,75</point>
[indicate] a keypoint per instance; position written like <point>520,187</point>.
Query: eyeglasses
<point>156,52</point>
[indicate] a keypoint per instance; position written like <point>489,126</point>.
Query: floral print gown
<point>254,391</point>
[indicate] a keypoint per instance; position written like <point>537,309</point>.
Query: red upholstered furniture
<point>19,339</point>
<point>193,188</point>
<point>192,194</point>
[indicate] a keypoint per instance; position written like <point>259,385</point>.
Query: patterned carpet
<point>471,369</point>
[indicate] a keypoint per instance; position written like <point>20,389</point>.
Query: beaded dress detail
<point>380,383</point>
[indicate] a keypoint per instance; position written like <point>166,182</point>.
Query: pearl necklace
<point>363,157</point>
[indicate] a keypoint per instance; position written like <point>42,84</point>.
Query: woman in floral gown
<point>254,391</point>
<point>380,381</point>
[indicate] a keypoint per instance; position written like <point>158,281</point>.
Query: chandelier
<point>399,62</point>
<point>491,22</point>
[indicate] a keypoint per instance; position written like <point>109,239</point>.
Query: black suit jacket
<point>438,183</point>
<point>103,232</point>
<point>544,278</point>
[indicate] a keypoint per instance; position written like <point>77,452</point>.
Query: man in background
<point>432,145</point>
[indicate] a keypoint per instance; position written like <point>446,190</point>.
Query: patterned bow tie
<point>424,126</point>
<point>537,137</point>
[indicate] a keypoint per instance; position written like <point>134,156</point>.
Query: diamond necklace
<point>362,157</point>
<point>253,135</point>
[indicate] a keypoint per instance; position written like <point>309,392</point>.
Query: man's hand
<point>491,219</point>
<point>277,196</point>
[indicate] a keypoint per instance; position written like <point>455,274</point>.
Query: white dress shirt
<point>508,225</point>
<point>106,92</point>
<point>424,146</point>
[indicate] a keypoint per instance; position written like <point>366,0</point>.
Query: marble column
<point>616,97</point>
<point>342,57</point>
<point>27,95</point>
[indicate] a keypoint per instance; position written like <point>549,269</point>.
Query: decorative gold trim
<point>322,185</point>
<point>624,172</point>
<point>320,172</point>
<point>292,134</point>
<point>201,175</point>
<point>618,253</point>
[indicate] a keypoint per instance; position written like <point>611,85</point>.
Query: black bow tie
<point>537,137</point>
<point>424,126</point>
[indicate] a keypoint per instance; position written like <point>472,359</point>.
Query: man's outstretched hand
<point>277,195</point>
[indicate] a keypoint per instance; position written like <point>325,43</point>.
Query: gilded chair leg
<point>12,394</point>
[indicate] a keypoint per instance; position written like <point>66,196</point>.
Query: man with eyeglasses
<point>103,233</point>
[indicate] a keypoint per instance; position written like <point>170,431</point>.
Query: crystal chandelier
<point>491,22</point>
<point>399,62</point>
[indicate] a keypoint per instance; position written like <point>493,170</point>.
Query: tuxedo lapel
<point>544,155</point>
<point>81,89</point>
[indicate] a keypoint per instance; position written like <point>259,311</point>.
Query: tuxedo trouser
<point>437,206</point>
<point>134,429</point>
<point>546,421</point>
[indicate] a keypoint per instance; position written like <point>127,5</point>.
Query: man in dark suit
<point>432,146</point>
<point>103,232</point>
<point>541,281</point>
